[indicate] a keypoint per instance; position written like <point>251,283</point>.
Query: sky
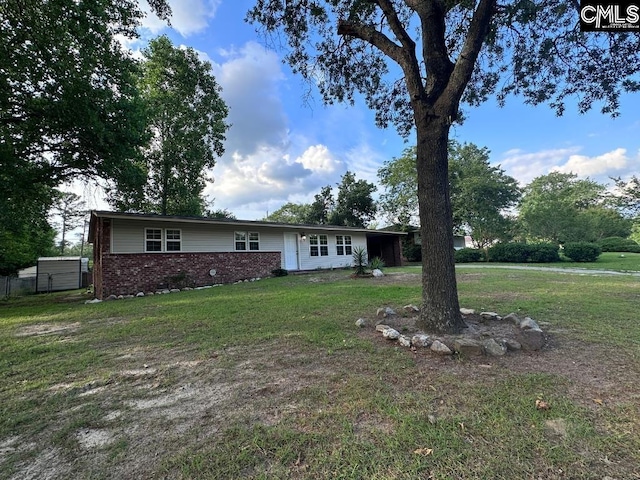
<point>284,146</point>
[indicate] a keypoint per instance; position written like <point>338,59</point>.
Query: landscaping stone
<point>391,334</point>
<point>495,348</point>
<point>385,312</point>
<point>529,324</point>
<point>174,290</point>
<point>512,345</point>
<point>381,327</point>
<point>467,311</point>
<point>361,322</point>
<point>112,297</point>
<point>440,348</point>
<point>404,341</point>
<point>531,339</point>
<point>490,316</point>
<point>94,300</point>
<point>420,340</point>
<point>468,346</point>
<point>513,318</point>
<point>411,308</point>
<point>377,273</point>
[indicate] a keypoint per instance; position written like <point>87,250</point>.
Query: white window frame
<point>147,239</point>
<point>318,243</point>
<point>174,240</point>
<point>343,245</point>
<point>240,238</point>
<point>253,238</point>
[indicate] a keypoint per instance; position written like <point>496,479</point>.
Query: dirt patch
<point>47,329</point>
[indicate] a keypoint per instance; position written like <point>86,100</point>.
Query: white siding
<point>127,236</point>
<point>333,260</point>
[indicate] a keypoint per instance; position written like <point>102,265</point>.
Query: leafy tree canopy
<point>186,120</point>
<point>291,213</point>
<point>480,192</point>
<point>559,207</point>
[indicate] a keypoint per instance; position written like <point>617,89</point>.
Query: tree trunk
<point>440,308</point>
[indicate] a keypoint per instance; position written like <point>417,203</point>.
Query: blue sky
<point>281,149</point>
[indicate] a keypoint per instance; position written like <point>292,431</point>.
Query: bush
<point>618,244</point>
<point>413,253</point>
<point>279,272</point>
<point>543,252</point>
<point>509,252</point>
<point>467,255</point>
<point>376,263</point>
<point>582,251</point>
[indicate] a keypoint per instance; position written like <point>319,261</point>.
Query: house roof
<point>239,223</point>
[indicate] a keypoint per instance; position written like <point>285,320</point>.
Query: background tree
<point>446,52</point>
<point>69,108</point>
<point>291,213</point>
<point>186,117</point>
<point>627,196</point>
<point>553,207</point>
<point>355,206</point>
<point>71,211</point>
<point>322,207</point>
<point>399,177</point>
<point>481,194</point>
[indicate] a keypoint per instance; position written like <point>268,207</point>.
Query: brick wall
<point>132,273</point>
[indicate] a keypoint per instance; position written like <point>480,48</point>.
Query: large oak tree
<point>447,51</point>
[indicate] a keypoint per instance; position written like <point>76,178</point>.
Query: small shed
<point>61,273</point>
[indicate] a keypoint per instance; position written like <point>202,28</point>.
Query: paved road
<point>579,271</point>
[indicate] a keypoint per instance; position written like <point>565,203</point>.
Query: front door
<point>291,251</point>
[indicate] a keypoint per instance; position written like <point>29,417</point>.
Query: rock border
<point>526,335</point>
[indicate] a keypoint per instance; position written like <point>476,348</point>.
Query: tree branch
<point>371,36</point>
<point>463,69</point>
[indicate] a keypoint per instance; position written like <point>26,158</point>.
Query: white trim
<point>146,239</point>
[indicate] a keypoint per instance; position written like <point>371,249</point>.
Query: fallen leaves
<point>542,405</point>
<point>423,451</point>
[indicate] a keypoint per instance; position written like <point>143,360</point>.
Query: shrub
<point>279,272</point>
<point>509,252</point>
<point>543,252</point>
<point>376,263</point>
<point>467,255</point>
<point>618,244</point>
<point>359,260</point>
<point>582,251</point>
<point>413,253</point>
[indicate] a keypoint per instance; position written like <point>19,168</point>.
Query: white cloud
<point>187,16</point>
<point>606,164</point>
<point>525,166</point>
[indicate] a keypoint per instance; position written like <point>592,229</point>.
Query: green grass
<point>360,409</point>
<point>618,262</point>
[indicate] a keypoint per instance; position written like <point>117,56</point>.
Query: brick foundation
<point>125,274</point>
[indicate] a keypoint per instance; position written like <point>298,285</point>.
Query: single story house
<point>143,252</point>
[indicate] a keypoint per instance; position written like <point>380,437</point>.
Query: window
<point>241,240</point>
<point>153,240</point>
<point>173,240</point>
<point>318,245</point>
<point>254,241</point>
<point>343,244</point>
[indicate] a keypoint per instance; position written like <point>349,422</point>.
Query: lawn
<point>272,379</point>
<point>617,262</point>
